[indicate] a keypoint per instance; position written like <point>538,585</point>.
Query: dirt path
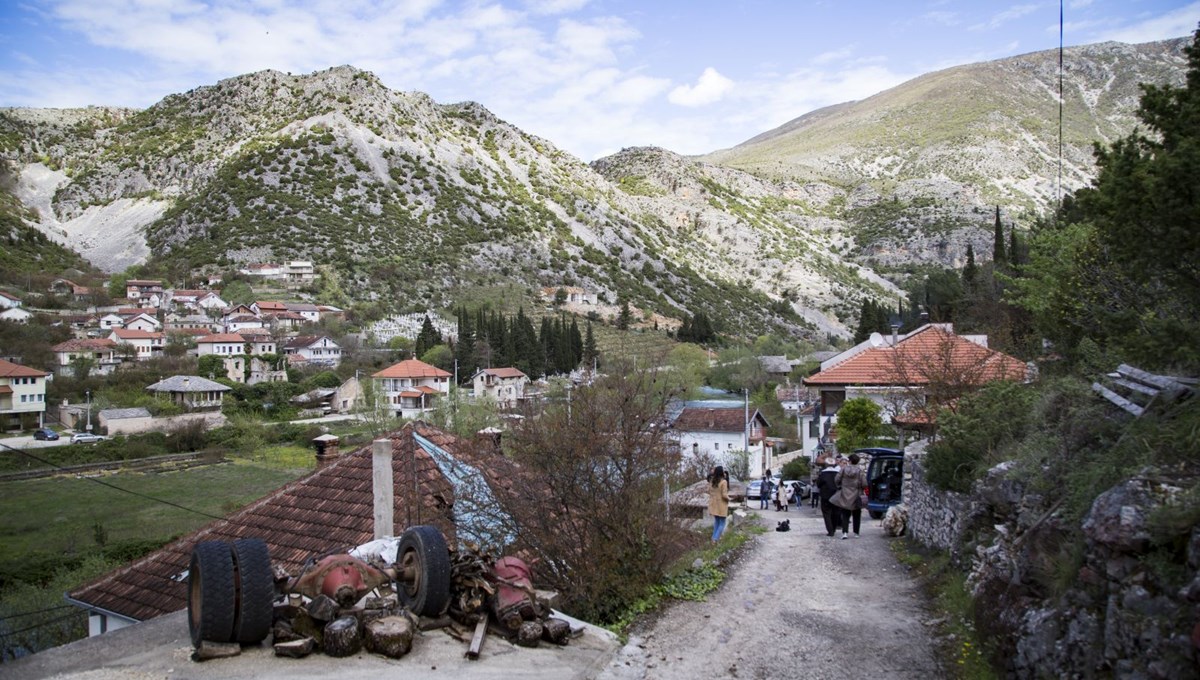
<point>795,605</point>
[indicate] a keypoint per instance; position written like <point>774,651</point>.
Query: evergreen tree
<point>623,317</point>
<point>1014,255</point>
<point>998,256</point>
<point>589,347</point>
<point>576,341</point>
<point>970,270</point>
<point>428,338</point>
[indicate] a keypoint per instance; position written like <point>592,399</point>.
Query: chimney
<point>895,329</point>
<point>327,449</point>
<point>381,487</point>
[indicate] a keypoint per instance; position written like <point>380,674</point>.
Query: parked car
<point>45,434</point>
<point>885,479</point>
<point>754,488</point>
<point>86,438</point>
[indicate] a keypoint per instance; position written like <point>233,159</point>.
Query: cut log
<point>282,631</point>
<point>390,636</point>
<point>323,608</point>
<point>434,624</point>
<point>556,631</point>
<point>529,634</point>
<point>296,649</point>
<point>477,639</point>
<point>306,626</point>
<point>342,637</point>
<point>208,649</point>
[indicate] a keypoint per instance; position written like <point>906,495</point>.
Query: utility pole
<point>89,409</point>
<point>746,421</point>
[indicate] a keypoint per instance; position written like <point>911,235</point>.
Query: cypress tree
<point>589,346</point>
<point>998,241</point>
<point>624,316</point>
<point>576,345</point>
<point>970,271</point>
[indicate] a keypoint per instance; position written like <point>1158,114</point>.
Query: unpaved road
<point>795,604</point>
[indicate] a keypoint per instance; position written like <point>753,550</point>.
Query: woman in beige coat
<point>718,500</point>
<point>851,480</point>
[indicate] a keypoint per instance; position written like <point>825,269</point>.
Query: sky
<point>591,76</point>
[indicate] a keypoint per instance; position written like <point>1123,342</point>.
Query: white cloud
<point>555,6</point>
<point>1174,24</point>
<point>710,88</point>
<point>1011,14</point>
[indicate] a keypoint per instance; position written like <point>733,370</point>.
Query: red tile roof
<point>331,509</point>
<point>10,370</point>
<point>411,368</point>
<point>711,420</point>
<point>222,337</point>
<point>273,305</point>
<point>76,344</point>
<point>504,372</point>
<point>920,358</point>
<point>134,334</point>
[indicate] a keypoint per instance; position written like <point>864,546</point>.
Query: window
<point>716,446</point>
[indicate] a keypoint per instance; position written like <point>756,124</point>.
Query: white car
<point>86,438</point>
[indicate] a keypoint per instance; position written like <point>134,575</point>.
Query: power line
<point>43,624</point>
<point>38,611</point>
<point>112,486</point>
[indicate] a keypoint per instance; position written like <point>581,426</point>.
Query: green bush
<point>975,436</point>
<point>797,468</point>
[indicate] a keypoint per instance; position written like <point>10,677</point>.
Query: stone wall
<point>1099,600</point>
<point>211,419</point>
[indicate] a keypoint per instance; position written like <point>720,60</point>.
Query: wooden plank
<point>477,639</point>
<point>1145,378</point>
<point>1135,387</point>
<point>1117,399</point>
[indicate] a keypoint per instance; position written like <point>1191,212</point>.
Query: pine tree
<point>589,347</point>
<point>970,270</point>
<point>576,344</point>
<point>428,338</point>
<point>998,256</point>
<point>624,316</point>
<point>1013,251</point>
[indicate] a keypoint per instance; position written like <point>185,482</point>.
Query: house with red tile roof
<point>717,429</point>
<point>329,510</point>
<point>101,352</point>
<point>22,395</point>
<point>411,387</point>
<point>918,372</point>
<point>505,386</point>
<point>146,344</point>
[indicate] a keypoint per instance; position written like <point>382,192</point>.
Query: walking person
<point>826,488</point>
<point>764,492</point>
<point>851,480</point>
<point>783,496</point>
<point>718,500</point>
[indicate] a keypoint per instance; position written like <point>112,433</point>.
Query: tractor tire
<point>423,553</point>
<point>211,593</point>
<point>255,591</point>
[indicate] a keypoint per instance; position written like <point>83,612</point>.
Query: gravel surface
<point>795,604</point>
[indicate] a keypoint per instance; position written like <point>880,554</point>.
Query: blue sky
<point>592,76</point>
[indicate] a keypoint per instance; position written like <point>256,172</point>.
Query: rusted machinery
<point>232,586</point>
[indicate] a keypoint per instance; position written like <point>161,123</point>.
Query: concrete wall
<point>129,426</point>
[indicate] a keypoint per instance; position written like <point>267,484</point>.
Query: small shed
<point>125,420</point>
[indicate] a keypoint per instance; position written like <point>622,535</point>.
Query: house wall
<point>28,395</point>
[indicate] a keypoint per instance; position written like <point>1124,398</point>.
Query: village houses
<point>22,395</point>
<point>505,386</point>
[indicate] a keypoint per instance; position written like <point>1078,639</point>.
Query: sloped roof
<point>503,372</point>
<point>714,419</point>
<point>411,368</point>
<point>270,304</point>
<point>917,359</point>
<point>10,370</point>
<point>775,364</point>
<point>302,341</point>
<point>221,337</point>
<point>331,509</point>
<point>77,344</point>
<point>134,334</point>
<point>187,383</point>
<point>124,413</point>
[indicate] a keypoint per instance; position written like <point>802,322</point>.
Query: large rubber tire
<point>423,548</point>
<point>211,593</point>
<point>255,591</point>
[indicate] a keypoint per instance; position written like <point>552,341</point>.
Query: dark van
<point>885,479</point>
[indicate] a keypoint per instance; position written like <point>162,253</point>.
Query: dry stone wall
<point>1102,600</point>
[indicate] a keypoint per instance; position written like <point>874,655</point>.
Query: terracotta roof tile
<point>331,509</point>
<point>134,334</point>
<point>411,368</point>
<point>222,337</point>
<point>76,344</point>
<point>711,420</point>
<point>911,361</point>
<point>10,370</point>
<point>504,372</point>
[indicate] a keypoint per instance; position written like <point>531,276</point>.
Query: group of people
<point>839,485</point>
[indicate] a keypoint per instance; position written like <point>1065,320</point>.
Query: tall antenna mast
<point>1060,102</point>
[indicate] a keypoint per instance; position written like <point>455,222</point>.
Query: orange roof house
<point>929,366</point>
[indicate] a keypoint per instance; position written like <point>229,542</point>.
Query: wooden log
<point>215,650</point>
<point>1117,399</point>
<point>282,631</point>
<point>556,631</point>
<point>296,649</point>
<point>342,637</point>
<point>323,608</point>
<point>529,634</point>
<point>390,636</point>
<point>477,639</point>
<point>434,624</point>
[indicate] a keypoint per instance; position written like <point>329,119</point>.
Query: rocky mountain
<point>412,203</point>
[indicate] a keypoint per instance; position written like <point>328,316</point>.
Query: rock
<point>296,649</point>
<point>1193,549</point>
<point>1118,518</point>
<point>342,637</point>
<point>895,522</point>
<point>215,650</point>
<point>390,636</point>
<point>386,602</point>
<point>282,631</point>
<point>306,626</point>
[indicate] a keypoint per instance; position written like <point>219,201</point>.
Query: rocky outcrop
<point>1099,600</point>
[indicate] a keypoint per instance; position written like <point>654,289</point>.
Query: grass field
<point>66,515</point>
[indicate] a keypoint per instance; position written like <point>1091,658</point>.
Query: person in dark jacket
<point>826,487</point>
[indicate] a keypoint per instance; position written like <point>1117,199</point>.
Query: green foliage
<point>797,468</point>
<point>977,433</point>
<point>859,420</point>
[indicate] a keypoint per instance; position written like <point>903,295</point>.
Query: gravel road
<point>795,604</point>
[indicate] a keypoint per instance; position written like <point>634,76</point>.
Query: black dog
<point>785,525</point>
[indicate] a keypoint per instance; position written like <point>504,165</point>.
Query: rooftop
<point>187,383</point>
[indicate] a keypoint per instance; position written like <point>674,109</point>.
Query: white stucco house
<point>411,387</point>
<point>22,395</point>
<point>505,386</point>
